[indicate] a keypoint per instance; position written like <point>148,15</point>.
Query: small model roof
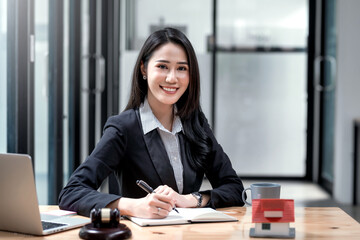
<point>273,210</point>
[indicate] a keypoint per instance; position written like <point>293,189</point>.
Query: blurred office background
<point>279,82</point>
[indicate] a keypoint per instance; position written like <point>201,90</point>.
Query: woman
<point>162,137</point>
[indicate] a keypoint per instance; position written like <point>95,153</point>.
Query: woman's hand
<point>154,205</point>
<point>182,201</point>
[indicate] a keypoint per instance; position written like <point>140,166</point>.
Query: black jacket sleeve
<point>80,194</point>
<point>227,186</point>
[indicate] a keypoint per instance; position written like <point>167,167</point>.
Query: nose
<point>171,77</point>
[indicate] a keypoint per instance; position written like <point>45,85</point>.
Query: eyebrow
<point>165,61</point>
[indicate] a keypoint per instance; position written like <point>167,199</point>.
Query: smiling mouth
<point>167,89</point>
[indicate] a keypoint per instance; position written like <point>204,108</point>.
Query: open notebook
<point>185,216</point>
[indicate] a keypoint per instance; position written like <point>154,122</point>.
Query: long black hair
<point>188,106</point>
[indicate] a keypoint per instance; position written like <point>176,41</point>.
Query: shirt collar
<point>150,122</point>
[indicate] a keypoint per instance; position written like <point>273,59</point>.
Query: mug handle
<point>243,196</point>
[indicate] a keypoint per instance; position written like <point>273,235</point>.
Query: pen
<point>148,189</point>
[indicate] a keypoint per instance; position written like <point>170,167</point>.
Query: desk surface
<point>310,223</point>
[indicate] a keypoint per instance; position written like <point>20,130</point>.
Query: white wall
<point>347,96</point>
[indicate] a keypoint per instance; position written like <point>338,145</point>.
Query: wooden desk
<point>310,223</point>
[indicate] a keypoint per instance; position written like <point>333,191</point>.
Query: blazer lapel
<point>160,159</point>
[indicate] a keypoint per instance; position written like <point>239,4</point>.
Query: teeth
<point>169,89</point>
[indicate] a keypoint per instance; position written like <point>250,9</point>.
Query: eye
<point>182,68</point>
<point>162,66</point>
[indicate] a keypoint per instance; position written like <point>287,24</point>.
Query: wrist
<point>188,201</point>
<point>124,206</point>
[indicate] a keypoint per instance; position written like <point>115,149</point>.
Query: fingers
<point>166,190</point>
<point>156,207</point>
<point>161,201</point>
<point>161,212</point>
<point>180,200</point>
<point>163,189</point>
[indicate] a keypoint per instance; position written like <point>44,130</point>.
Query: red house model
<point>272,218</point>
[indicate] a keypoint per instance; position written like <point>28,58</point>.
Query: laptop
<point>19,209</point>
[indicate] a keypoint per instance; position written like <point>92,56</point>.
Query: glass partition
<point>3,80</point>
<point>41,98</point>
<point>66,93</point>
<point>194,18</point>
<point>261,112</point>
<point>85,52</point>
<point>327,96</point>
<point>261,95</point>
<point>262,24</point>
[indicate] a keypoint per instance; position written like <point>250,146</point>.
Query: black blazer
<point>125,150</point>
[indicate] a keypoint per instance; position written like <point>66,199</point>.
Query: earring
<point>144,77</point>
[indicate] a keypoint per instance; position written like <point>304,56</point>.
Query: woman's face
<point>167,75</point>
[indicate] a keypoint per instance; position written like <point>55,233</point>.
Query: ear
<point>142,68</point>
